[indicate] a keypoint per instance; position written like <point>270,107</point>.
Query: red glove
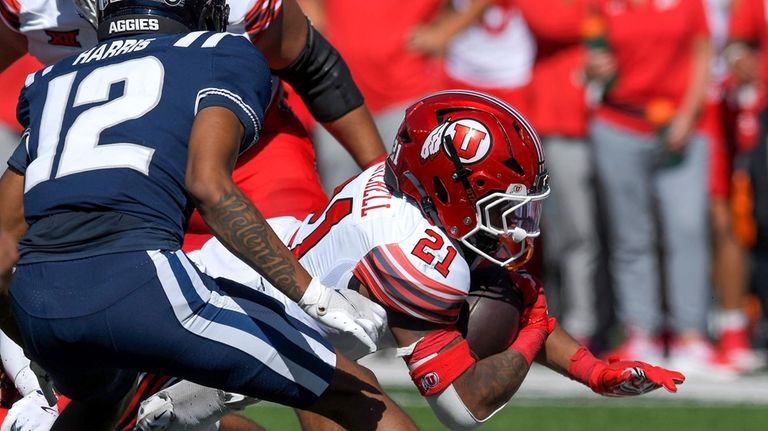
<point>535,327</point>
<point>621,378</point>
<point>527,285</point>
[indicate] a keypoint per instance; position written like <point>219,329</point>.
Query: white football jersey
<point>54,29</point>
<point>410,265</point>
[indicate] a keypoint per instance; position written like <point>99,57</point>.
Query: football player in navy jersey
<point>123,141</point>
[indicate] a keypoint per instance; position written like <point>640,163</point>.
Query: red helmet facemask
<point>475,166</point>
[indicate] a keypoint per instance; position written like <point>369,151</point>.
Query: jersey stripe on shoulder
<point>261,16</point>
<point>213,40</point>
<point>188,39</point>
<point>30,79</point>
<point>237,100</point>
<point>9,11</point>
<point>390,276</point>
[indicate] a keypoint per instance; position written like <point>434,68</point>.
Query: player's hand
<point>346,312</point>
<point>527,285</point>
<point>628,378</point>
<point>31,413</point>
<point>535,326</point>
<point>536,315</point>
<point>600,65</point>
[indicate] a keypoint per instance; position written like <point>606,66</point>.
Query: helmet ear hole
<point>403,135</point>
<point>515,166</point>
<point>440,191</point>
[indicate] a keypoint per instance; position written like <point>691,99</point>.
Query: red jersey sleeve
<point>700,26</point>
<point>9,11</point>
<point>745,22</point>
<point>260,16</point>
<point>400,284</point>
<point>554,20</point>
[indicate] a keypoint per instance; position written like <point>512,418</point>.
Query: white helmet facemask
<point>510,218</point>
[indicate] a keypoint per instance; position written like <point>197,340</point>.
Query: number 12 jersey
<point>105,150</point>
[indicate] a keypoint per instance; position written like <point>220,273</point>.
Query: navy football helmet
<point>117,18</point>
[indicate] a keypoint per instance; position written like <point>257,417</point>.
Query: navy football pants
<point>94,323</point>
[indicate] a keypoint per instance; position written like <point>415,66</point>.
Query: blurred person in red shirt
<point>729,256</point>
<point>558,109</point>
<point>652,166</point>
<point>373,38</point>
<point>747,56</point>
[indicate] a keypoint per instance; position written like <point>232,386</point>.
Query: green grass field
<point>571,415</point>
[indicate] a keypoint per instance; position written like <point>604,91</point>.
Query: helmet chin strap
<point>462,172</point>
<point>522,260</point>
<point>426,203</point>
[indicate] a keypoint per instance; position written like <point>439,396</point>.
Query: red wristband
<point>581,365</point>
<point>442,369</point>
<point>529,342</point>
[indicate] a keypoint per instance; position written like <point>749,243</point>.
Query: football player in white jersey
<point>463,186</point>
<point>54,29</point>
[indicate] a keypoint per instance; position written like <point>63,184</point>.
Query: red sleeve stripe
<point>366,275</point>
<point>405,268</point>
<point>9,11</point>
<point>261,16</point>
<point>392,266</point>
<point>392,288</point>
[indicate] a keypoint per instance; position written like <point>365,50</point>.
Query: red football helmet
<point>475,166</point>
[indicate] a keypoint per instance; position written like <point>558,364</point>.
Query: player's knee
<point>351,377</point>
<point>353,389</point>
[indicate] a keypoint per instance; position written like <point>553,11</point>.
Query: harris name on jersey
<point>108,50</point>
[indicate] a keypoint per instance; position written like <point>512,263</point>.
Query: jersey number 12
<point>81,152</point>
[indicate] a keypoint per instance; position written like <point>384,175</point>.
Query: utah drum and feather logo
<point>471,139</point>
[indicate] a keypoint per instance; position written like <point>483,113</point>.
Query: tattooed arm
<point>213,149</point>
<point>235,221</point>
<point>483,387</point>
<point>491,382</point>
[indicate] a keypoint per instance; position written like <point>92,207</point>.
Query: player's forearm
<point>491,382</point>
<point>245,232</point>
<point>458,21</point>
<point>697,85</point>
<point>558,350</point>
<point>358,135</point>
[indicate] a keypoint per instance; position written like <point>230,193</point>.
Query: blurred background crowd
<point>652,116</point>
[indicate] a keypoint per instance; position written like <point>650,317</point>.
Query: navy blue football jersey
<point>105,152</point>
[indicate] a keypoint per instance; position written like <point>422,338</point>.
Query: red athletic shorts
<point>278,174</point>
<point>719,158</point>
